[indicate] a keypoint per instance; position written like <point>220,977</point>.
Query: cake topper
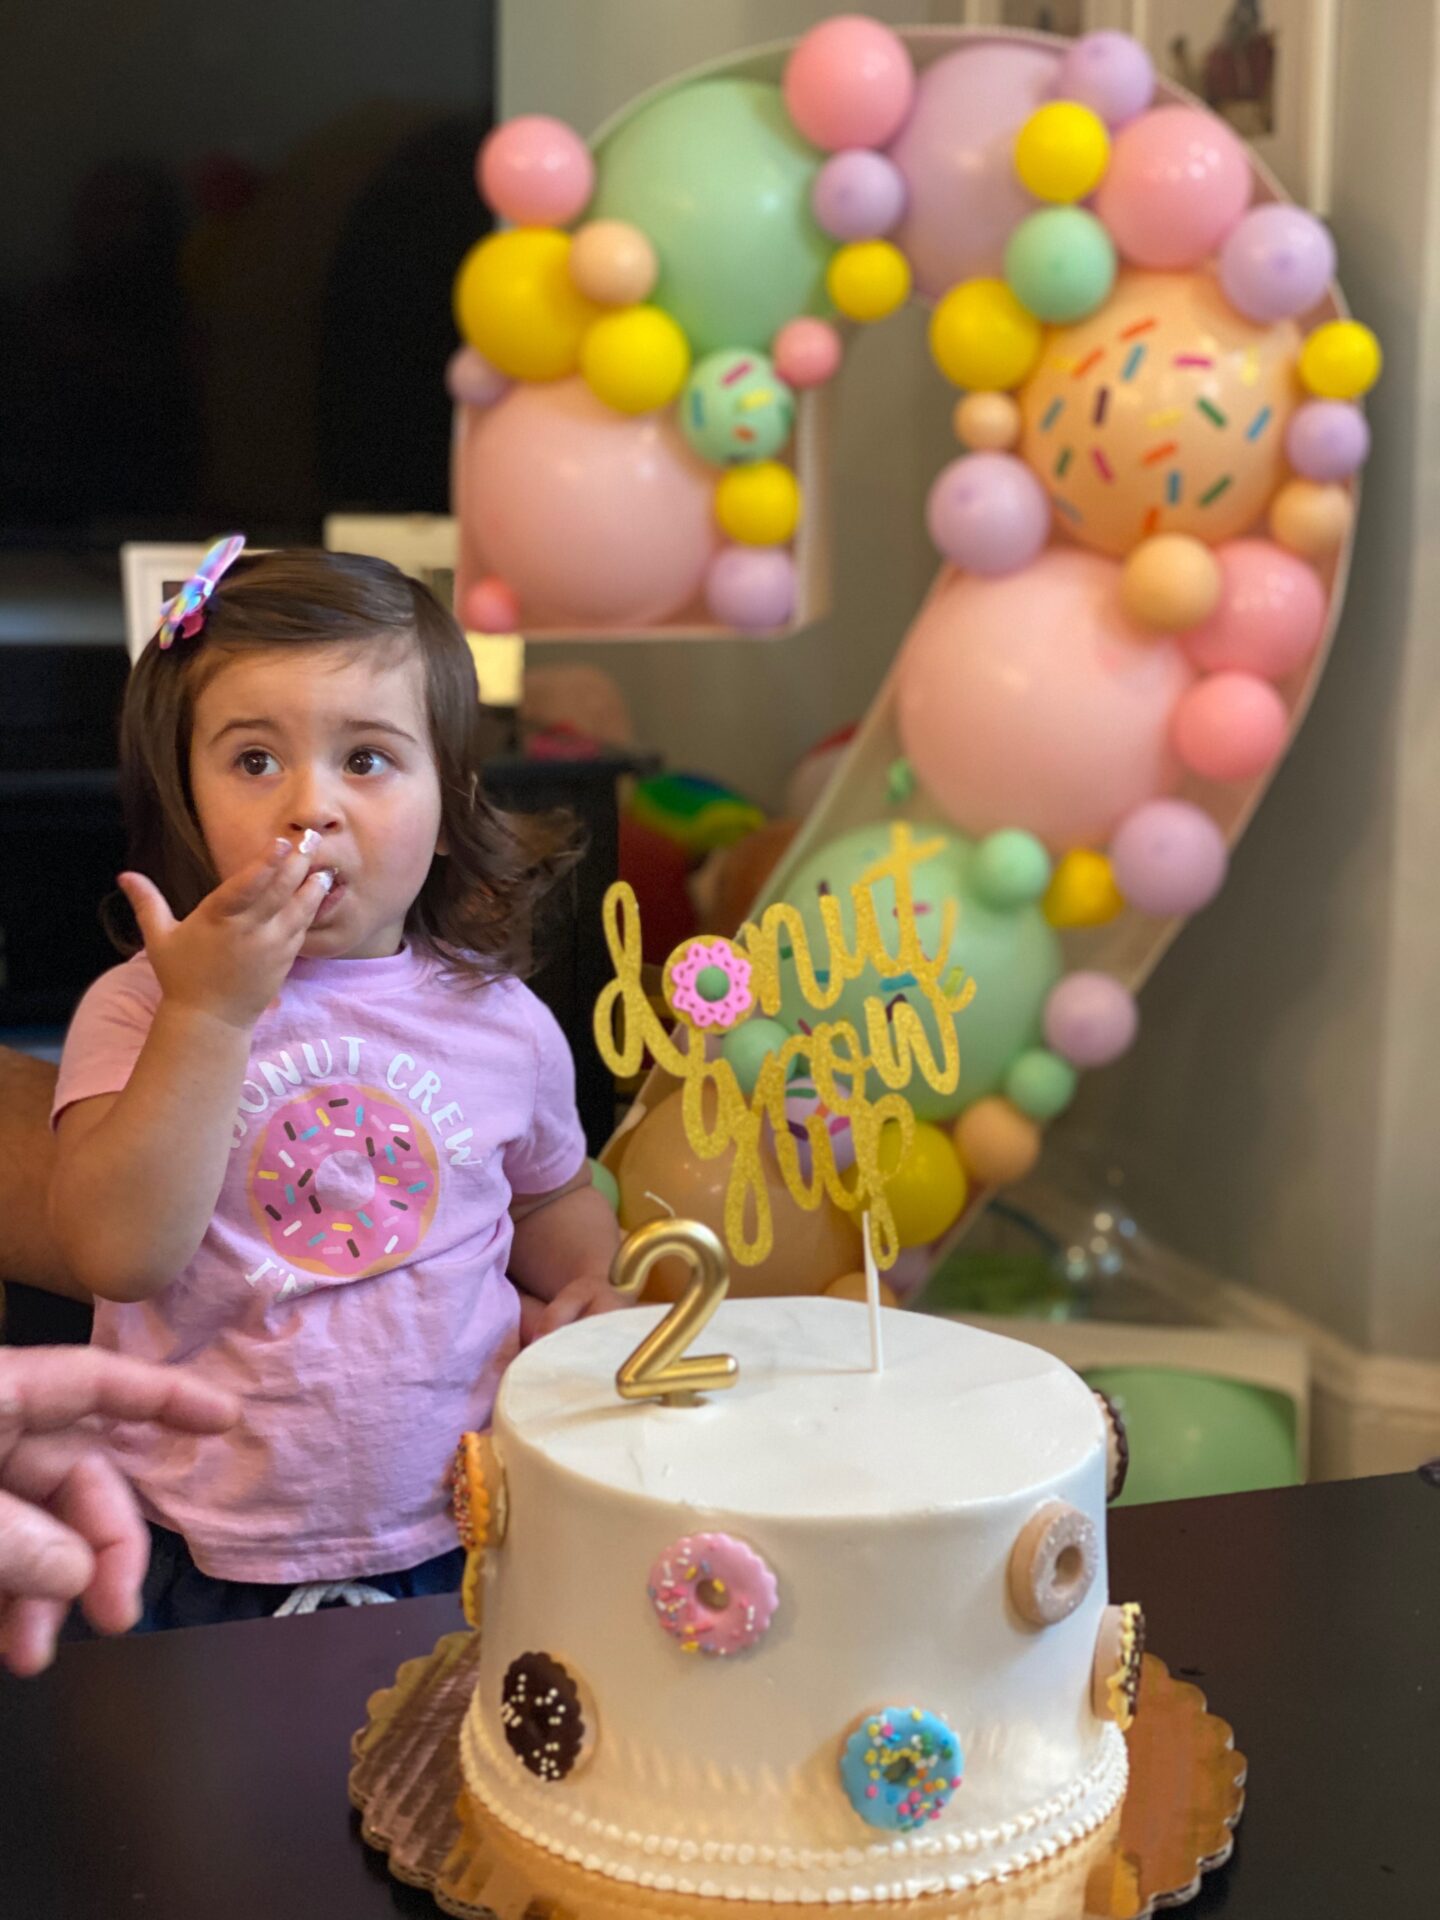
<point>712,986</point>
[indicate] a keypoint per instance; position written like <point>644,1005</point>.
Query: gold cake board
<point>1186,1792</point>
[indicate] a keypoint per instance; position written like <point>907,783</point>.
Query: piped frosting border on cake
<point>901,1869</point>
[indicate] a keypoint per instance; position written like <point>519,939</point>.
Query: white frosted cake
<point>831,1635</point>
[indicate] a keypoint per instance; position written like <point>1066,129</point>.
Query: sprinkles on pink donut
<point>713,1594</point>
<point>344,1181</point>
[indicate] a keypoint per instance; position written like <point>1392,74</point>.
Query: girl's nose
<point>309,804</point>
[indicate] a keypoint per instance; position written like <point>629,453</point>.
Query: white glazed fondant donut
<point>344,1181</point>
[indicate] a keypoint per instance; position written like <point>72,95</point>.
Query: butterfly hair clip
<point>183,616</point>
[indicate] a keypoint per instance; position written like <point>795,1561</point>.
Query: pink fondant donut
<point>344,1181</point>
<point>713,1593</point>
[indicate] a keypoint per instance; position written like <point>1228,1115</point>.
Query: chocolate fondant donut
<point>543,1716</point>
<point>1117,1445</point>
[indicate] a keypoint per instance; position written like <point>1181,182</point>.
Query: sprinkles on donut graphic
<point>343,1181</point>
<point>900,1768</point>
<point>713,1594</point>
<point>543,1714</point>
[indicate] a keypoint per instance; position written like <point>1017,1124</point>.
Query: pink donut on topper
<point>344,1181</point>
<point>713,1593</point>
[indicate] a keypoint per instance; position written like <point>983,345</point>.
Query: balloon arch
<point>1143,542</point>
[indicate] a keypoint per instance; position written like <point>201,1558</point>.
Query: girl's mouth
<point>328,906</point>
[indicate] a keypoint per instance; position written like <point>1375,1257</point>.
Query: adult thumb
<point>147,904</point>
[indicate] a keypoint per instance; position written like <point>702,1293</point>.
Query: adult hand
<point>69,1526</point>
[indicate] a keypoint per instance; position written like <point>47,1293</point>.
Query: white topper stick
<point>872,1298</point>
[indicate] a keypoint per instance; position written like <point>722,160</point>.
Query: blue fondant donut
<point>899,1767</point>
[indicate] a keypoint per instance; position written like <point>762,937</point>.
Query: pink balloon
<point>491,606</point>
<point>806,353</point>
<point>1178,181</point>
<point>957,154</point>
<point>1231,726</point>
<point>1030,700</point>
<point>849,83</point>
<point>535,171</point>
<point>1271,613</point>
<point>595,518</point>
<point>1090,1019</point>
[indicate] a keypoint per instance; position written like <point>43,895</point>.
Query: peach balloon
<point>997,1144</point>
<point>1312,519</point>
<point>1164,413</point>
<point>595,518</point>
<point>661,1174</point>
<point>851,1286</point>
<point>1032,700</point>
<point>987,422</point>
<point>1230,726</point>
<point>1170,582</point>
<point>613,263</point>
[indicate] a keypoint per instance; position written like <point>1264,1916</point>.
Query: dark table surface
<point>201,1775</point>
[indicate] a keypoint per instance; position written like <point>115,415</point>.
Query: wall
<point>1277,1122</point>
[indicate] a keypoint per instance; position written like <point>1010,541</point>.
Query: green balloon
<point>605,1182</point>
<point>1010,869</point>
<point>1193,1434</point>
<point>736,408</point>
<point>746,1048</point>
<point>1012,955</point>
<point>717,177</point>
<point>1060,263</point>
<point>1041,1084</point>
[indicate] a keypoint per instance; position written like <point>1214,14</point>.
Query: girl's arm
<point>137,1173</point>
<point>564,1244</point>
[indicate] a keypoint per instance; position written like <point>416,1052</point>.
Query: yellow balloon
<point>516,304</point>
<point>636,361</point>
<point>758,504</point>
<point>868,279</point>
<point>981,336</point>
<point>1340,360</point>
<point>1082,891</point>
<point>1062,151</point>
<point>927,1190</point>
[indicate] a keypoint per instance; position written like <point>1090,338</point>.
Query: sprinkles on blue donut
<point>900,1768</point>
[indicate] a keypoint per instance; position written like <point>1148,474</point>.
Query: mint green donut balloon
<point>719,180</point>
<point>1011,954</point>
<point>736,408</point>
<point>1193,1434</point>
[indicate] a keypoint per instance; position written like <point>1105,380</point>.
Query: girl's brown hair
<point>476,910</point>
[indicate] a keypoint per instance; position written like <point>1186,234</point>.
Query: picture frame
<point>1265,66</point>
<point>1068,17</point>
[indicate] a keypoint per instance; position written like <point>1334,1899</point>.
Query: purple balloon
<point>1090,1019</point>
<point>1169,857</point>
<point>471,380</point>
<point>957,153</point>
<point>858,195</point>
<point>1327,440</point>
<point>752,588</point>
<point>1276,262</point>
<point>1111,74</point>
<point>988,513</point>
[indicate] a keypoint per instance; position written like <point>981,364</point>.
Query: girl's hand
<point>229,958</point>
<point>577,1300</point>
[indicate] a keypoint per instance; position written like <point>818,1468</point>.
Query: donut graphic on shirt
<point>343,1181</point>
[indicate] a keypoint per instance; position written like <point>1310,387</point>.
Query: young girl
<point>306,1135</point>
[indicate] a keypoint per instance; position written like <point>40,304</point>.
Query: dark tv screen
<point>226,248</point>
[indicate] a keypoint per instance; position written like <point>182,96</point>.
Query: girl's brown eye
<point>253,760</point>
<point>367,760</point>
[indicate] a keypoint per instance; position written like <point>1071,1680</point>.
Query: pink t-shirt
<point>351,1287</point>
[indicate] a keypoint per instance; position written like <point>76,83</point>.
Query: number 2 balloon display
<point>1141,539</point>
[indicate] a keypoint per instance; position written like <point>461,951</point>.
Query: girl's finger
<point>252,887</point>
<point>148,904</point>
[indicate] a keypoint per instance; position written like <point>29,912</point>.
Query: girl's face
<point>330,740</point>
